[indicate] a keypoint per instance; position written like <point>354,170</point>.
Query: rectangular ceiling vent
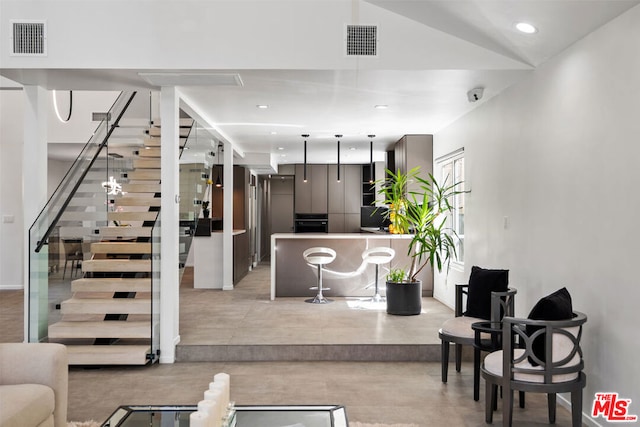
<point>29,38</point>
<point>362,40</point>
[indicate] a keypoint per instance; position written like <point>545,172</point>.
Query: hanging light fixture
<point>55,107</point>
<point>218,183</point>
<point>338,136</point>
<point>371,159</point>
<point>304,170</point>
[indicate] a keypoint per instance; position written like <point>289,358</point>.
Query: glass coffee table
<point>244,416</point>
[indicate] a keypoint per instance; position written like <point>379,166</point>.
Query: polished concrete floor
<point>373,392</point>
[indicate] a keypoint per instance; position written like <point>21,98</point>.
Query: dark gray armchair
<point>537,356</point>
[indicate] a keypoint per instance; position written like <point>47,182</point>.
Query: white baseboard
<point>11,287</point>
<point>562,401</point>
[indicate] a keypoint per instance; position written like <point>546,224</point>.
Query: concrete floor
<point>373,392</point>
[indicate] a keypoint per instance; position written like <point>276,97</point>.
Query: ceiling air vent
<point>362,40</point>
<point>29,38</point>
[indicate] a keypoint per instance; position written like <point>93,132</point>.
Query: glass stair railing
<point>95,248</point>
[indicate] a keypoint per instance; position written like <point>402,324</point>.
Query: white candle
<point>209,407</point>
<point>199,419</point>
<point>221,388</point>
<point>215,395</point>
<point>225,379</point>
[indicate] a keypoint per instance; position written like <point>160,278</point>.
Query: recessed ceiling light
<point>262,106</point>
<point>381,107</point>
<point>274,133</point>
<point>525,27</point>
<point>281,148</point>
<point>352,148</point>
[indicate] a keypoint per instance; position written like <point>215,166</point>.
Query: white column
<point>34,187</point>
<point>169,216</point>
<point>227,238</point>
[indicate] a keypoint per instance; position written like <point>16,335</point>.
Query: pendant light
<point>338,136</point>
<point>371,159</point>
<point>304,176</point>
<point>218,183</point>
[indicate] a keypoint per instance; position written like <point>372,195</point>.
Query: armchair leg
<point>521,398</point>
<point>458,357</point>
<point>576,408</point>
<point>551,400</point>
<point>445,359</point>
<point>476,374</point>
<point>507,407</point>
<point>489,401</point>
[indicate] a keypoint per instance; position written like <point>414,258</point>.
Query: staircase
<point>108,319</point>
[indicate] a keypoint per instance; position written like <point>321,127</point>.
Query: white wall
<point>558,155</point>
<point>78,130</point>
<point>11,233</point>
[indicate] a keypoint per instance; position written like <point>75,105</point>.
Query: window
<point>451,169</point>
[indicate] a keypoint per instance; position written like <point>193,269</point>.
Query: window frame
<point>457,223</point>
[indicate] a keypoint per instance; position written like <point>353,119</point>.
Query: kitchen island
<point>348,275</point>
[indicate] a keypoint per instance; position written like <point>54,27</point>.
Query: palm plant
<point>424,214</point>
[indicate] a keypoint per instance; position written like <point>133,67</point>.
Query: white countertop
<point>340,236</point>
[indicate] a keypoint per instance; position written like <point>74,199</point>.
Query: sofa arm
<point>38,363</point>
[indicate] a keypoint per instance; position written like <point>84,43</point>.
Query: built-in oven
<point>311,223</point>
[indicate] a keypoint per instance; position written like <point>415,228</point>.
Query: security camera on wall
<point>475,94</point>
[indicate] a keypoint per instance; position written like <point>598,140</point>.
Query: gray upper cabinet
<point>322,193</point>
<point>352,189</point>
<point>414,150</point>
<point>311,196</point>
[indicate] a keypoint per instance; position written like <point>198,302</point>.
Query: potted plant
<point>422,213</point>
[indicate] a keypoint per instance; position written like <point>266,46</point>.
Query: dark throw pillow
<point>556,306</point>
<point>481,283</point>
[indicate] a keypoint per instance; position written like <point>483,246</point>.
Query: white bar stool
<point>319,256</point>
<point>377,256</point>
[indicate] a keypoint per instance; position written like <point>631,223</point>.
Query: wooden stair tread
<point>144,175</point>
<point>108,354</point>
<point>156,131</point>
<point>115,284</point>
<point>132,216</point>
<point>125,231</point>
<point>146,164</point>
<point>103,329</point>
<point>141,188</point>
<point>117,265</point>
<point>137,201</point>
<point>121,248</point>
<point>106,306</point>
<point>149,152</point>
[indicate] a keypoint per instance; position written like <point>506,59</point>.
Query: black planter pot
<point>205,213</point>
<point>404,299</point>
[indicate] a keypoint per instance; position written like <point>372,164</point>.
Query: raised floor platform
<point>245,325</point>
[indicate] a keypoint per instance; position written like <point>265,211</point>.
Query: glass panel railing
<point>155,289</point>
<point>61,237</point>
<point>194,174</point>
